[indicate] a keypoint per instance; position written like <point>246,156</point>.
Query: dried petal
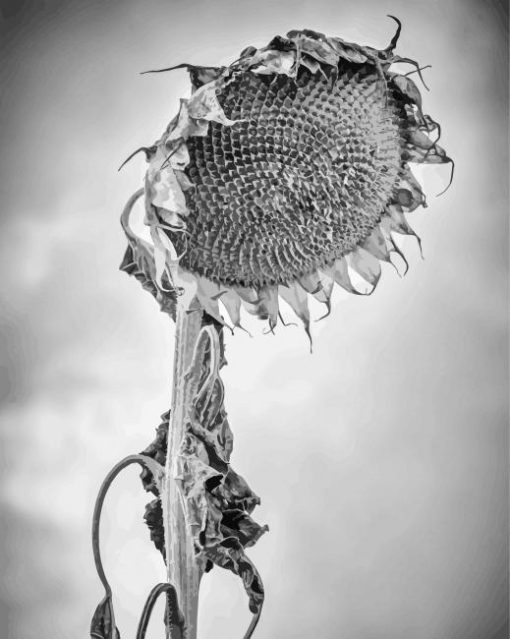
<point>297,299</point>
<point>204,105</point>
<point>342,276</point>
<point>366,265</point>
<point>376,245</point>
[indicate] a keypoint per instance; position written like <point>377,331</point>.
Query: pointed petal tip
<point>327,313</point>
<point>451,161</point>
<point>395,38</point>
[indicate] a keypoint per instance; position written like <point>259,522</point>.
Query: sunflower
<point>284,173</point>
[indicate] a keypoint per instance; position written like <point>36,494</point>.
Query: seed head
<point>283,173</point>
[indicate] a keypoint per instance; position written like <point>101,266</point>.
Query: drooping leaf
<point>103,621</point>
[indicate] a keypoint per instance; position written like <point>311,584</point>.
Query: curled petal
<point>268,305</point>
<point>398,221</point>
<point>417,197</point>
<point>248,295</point>
<point>297,299</point>
<point>434,155</point>
<point>312,65</point>
<point>376,245</point>
<point>408,88</point>
<point>163,188</point>
<point>204,105</point>
<point>342,276</point>
<point>267,62</point>
<point>186,126</point>
<point>311,282</point>
<point>420,139</point>
<point>317,48</point>
<point>366,265</point>
<point>327,279</point>
<point>232,303</point>
<point>207,294</point>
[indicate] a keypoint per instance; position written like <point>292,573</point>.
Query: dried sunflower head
<point>281,175</point>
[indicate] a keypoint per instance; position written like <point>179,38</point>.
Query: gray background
<point>381,459</point>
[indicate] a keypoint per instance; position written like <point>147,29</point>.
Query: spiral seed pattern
<point>301,179</point>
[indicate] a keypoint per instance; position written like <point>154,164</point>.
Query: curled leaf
<point>103,625</point>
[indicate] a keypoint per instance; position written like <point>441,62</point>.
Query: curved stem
<point>253,625</point>
<point>96,518</point>
<point>175,619</point>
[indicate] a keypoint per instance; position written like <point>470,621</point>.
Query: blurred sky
<point>381,459</point>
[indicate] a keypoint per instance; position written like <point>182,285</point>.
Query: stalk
<point>183,570</point>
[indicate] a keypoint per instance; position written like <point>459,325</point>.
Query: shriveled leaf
<point>217,501</point>
<point>153,517</point>
<point>238,523</point>
<point>229,554</point>
<point>103,621</point>
<point>140,263</point>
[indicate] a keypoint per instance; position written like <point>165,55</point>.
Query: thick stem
<point>183,571</point>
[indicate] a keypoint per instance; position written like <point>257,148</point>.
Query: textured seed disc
<point>300,181</point>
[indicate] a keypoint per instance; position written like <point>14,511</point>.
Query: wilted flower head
<point>281,175</point>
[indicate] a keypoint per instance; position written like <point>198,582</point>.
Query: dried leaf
<point>229,554</point>
<point>162,186</point>
<point>217,501</point>
<point>102,625</point>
